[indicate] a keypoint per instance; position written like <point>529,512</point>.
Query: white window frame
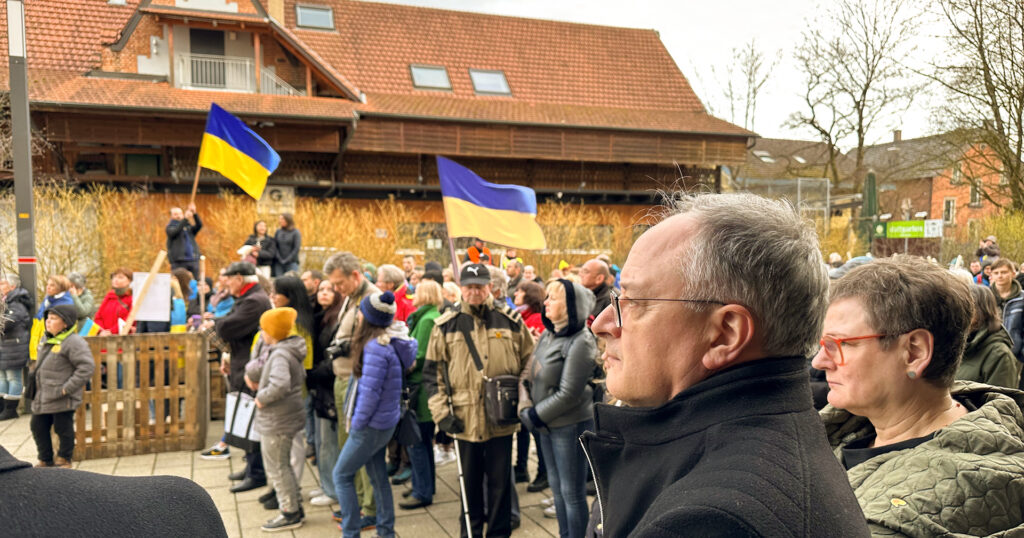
<point>957,176</point>
<point>412,75</point>
<point>949,209</point>
<point>976,197</point>
<point>504,79</point>
<point>298,18</point>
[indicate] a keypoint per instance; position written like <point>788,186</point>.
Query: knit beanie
<point>378,308</point>
<point>278,322</point>
<point>67,312</point>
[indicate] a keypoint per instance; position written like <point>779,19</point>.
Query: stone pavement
<point>243,514</point>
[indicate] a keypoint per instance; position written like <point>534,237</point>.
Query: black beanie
<point>67,312</point>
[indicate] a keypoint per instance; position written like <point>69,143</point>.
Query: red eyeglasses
<point>833,347</point>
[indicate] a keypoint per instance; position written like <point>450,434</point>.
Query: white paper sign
<point>933,228</point>
<point>157,304</point>
<point>239,413</point>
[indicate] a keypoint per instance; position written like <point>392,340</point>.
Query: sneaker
<point>283,522</point>
<point>321,500</point>
<point>550,513</point>
<point>402,477</point>
<point>336,516</point>
<point>216,452</point>
<point>267,496</point>
<point>446,458</point>
<point>550,501</point>
<point>392,468</point>
<point>271,504</point>
<point>316,492</point>
<point>368,523</point>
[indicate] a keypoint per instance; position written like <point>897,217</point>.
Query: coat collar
<point>760,387</point>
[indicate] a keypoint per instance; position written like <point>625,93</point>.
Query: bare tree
<point>39,144</point>
<point>854,59</point>
<point>743,80</point>
<point>984,82</point>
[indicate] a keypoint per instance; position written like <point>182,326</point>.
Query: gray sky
<point>702,34</point>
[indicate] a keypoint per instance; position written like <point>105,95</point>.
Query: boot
<point>9,410</point>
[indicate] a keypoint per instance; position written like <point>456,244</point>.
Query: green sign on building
<point>904,229</point>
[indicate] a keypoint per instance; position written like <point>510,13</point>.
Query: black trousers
<point>63,425</point>
<point>192,266</point>
<point>254,465</point>
<point>523,452</point>
<point>486,467</point>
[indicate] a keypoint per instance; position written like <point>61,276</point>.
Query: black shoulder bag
<point>501,392</point>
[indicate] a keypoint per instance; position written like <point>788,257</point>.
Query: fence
<point>149,393</point>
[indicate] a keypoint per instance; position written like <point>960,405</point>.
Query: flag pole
<point>195,184</point>
<point>455,259</point>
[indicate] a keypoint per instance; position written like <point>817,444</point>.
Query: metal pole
<point>21,144</point>
<point>828,205</point>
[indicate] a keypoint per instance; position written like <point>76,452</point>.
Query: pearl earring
<point>912,374</point>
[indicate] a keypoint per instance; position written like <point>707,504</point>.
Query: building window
<point>949,211</point>
<point>958,175</point>
<point>489,82</point>
<point>1004,179</point>
<point>975,195</point>
<point>764,156</point>
<point>320,17</point>
<point>431,77</point>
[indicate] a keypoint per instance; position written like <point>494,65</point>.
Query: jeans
<point>365,447</point>
<point>567,474</point>
<point>327,453</point>
<point>421,457</point>
<point>63,425</point>
<point>363,488</point>
<point>10,383</point>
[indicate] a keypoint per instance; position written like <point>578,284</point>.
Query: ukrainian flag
<point>502,214</point>
<point>237,152</point>
<point>88,328</point>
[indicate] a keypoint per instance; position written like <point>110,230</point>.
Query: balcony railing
<point>231,73</point>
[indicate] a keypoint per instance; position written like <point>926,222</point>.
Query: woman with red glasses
<point>926,456</point>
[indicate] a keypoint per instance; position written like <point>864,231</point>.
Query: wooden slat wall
<point>409,136</point>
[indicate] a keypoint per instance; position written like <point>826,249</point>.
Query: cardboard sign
<point>156,305</point>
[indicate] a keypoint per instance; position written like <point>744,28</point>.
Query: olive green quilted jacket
<point>968,480</point>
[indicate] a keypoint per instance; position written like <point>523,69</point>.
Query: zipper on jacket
<point>597,484</point>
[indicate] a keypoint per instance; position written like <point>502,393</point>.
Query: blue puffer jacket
<point>1013,321</point>
<point>379,390</point>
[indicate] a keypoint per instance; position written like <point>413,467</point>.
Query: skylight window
<point>431,77</point>
<point>485,81</point>
<point>764,156</point>
<point>320,17</point>
<point>799,159</point>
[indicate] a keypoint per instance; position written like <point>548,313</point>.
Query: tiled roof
<point>62,89</point>
<point>213,15</point>
<point>914,158</point>
<point>779,158</point>
<point>69,34</point>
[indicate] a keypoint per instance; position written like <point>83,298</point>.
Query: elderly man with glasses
<point>707,345</point>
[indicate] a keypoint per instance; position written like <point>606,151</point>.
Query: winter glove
<point>532,421</point>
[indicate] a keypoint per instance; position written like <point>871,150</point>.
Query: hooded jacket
<point>379,389</point>
<point>563,365</point>
<point>281,379</point>
<point>989,359</point>
<point>239,327</point>
<point>63,367</point>
<point>966,480</point>
<point>17,326</point>
<point>741,453</point>
<point>422,323</point>
<point>181,239</point>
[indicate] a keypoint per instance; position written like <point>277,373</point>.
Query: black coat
<point>288,244</point>
<point>741,453</point>
<point>239,327</point>
<point>17,329</point>
<point>603,294</point>
<point>62,502</point>
<point>177,239</point>
<point>268,249</point>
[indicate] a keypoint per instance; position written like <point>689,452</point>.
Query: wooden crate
<point>218,391</point>
<point>169,370</point>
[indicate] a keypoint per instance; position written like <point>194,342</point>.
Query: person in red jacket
<point>529,299</point>
<point>117,303</point>
<point>391,278</point>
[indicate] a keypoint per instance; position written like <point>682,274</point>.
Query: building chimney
<point>897,134</point>
<point>275,8</point>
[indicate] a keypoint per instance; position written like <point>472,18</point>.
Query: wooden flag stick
<point>455,261</point>
<point>137,301</point>
<point>195,185</point>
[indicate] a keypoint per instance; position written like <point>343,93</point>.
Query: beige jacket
<point>504,344</point>
<point>342,366</point>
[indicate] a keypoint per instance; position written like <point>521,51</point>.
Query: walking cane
<point>458,454</point>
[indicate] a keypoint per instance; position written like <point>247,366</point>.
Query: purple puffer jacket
<point>380,388</point>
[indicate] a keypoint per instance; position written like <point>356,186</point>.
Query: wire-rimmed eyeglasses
<point>616,299</point>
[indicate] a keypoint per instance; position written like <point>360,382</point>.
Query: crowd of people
<point>703,388</point>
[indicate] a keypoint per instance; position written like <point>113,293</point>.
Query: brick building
<point>358,97</point>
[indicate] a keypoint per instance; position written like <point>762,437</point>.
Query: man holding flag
<point>182,249</point>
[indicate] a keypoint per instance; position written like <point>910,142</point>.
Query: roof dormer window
<point>489,81</point>
<point>430,77</point>
<point>319,17</point>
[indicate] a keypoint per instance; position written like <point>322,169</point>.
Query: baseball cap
<point>475,273</point>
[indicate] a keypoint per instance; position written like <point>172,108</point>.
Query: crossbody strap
<point>464,322</point>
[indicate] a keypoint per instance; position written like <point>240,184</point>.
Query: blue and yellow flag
<point>234,150</point>
<point>88,327</point>
<point>502,214</point>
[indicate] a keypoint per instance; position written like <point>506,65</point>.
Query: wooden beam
<point>309,80</point>
<point>259,59</point>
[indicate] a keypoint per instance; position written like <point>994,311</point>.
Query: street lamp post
<point>21,143</point>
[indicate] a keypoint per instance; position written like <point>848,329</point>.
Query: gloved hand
<point>528,416</point>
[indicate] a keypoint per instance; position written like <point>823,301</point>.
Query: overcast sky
<point>702,34</point>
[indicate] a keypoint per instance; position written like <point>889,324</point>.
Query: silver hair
<point>77,279</point>
<point>345,261</point>
<point>250,279</point>
<point>761,254</point>
<point>13,279</point>
<point>391,273</point>
<point>499,279</point>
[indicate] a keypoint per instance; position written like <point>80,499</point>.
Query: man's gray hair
<point>758,253</point>
<point>13,279</point>
<point>391,273</point>
<point>345,261</point>
<point>499,280</point>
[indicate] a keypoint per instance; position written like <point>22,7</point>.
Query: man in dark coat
<point>182,250</point>
<point>595,276</point>
<point>706,348</point>
<point>238,328</point>
<point>52,502</point>
<point>17,324</point>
